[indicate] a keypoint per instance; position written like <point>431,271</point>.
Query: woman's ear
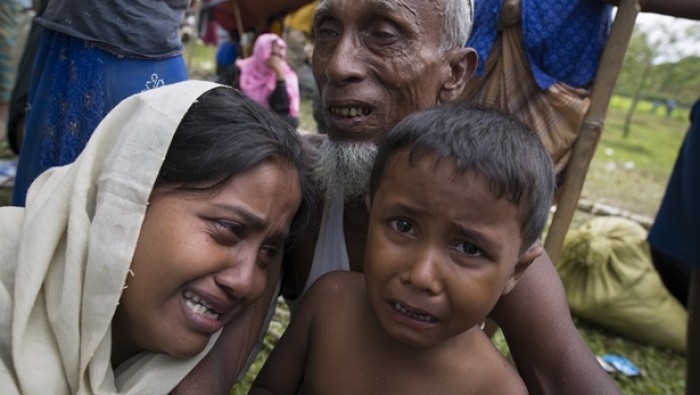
<point>524,261</point>
<point>460,64</point>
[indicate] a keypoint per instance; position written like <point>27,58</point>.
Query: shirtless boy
<point>458,197</point>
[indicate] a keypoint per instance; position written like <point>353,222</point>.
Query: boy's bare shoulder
<point>337,282</point>
<point>334,287</point>
<point>492,372</point>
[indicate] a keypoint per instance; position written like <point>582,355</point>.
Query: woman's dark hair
<point>496,146</point>
<point>225,134</point>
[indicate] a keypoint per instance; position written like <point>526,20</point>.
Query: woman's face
<point>276,50</point>
<point>201,259</point>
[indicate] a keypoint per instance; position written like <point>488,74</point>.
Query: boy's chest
<point>350,359</point>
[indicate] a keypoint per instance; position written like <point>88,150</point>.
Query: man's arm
<point>549,353</point>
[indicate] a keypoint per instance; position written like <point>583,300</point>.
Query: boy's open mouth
<point>414,315</point>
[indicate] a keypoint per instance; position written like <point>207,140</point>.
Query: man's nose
<point>345,62</point>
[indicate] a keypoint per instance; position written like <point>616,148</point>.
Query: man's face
<point>376,61</point>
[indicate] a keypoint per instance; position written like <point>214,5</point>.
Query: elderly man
<point>375,61</point>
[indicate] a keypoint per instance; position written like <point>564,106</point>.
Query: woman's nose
<point>243,277</point>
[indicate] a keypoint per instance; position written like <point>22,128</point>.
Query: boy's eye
<point>402,226</point>
<point>468,249</point>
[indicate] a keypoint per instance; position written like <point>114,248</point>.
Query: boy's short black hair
<point>495,145</point>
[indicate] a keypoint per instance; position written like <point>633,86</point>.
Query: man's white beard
<point>345,166</point>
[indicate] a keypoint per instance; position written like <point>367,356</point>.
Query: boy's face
<point>441,250</point>
<point>201,260</point>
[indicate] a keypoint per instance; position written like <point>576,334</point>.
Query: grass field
<point>628,173</point>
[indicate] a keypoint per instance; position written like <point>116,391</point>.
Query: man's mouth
<point>349,111</point>
<point>414,315</point>
<point>199,306</point>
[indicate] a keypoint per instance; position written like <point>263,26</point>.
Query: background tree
<point>655,67</point>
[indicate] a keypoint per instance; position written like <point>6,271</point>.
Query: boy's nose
<point>423,272</point>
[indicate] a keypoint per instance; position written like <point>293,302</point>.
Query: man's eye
<point>402,226</point>
<point>325,33</point>
<point>324,30</point>
<point>384,36</point>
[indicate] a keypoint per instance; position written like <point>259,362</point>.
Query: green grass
<point>632,172</point>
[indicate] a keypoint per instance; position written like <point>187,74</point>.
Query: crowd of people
<point>155,220</point>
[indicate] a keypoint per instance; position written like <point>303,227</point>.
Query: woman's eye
<point>267,255</point>
<point>228,232</point>
<point>402,226</point>
<point>468,249</point>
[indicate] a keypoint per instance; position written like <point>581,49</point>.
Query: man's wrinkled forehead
<point>410,9</point>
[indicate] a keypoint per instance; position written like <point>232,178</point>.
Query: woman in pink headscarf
<point>266,77</point>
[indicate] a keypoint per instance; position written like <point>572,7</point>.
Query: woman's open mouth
<point>199,306</point>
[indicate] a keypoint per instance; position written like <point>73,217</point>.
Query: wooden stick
<point>239,26</point>
<point>608,70</point>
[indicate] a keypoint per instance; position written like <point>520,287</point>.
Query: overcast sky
<point>687,47</point>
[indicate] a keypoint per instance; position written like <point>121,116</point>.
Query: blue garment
<point>133,28</point>
<point>563,40</point>
<point>676,230</point>
<point>227,53</point>
<point>73,86</point>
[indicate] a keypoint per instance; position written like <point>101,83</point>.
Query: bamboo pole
<point>239,26</point>
<point>195,35</point>
<point>608,70</point>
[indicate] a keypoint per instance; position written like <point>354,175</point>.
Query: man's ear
<point>368,202</point>
<point>460,64</point>
<point>524,261</point>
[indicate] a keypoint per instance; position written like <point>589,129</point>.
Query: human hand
<point>275,61</point>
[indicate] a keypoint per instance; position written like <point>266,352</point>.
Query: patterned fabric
<point>10,12</point>
<point>74,85</point>
<point>507,83</point>
<point>133,28</point>
<point>563,40</point>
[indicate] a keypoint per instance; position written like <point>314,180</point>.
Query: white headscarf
<point>65,257</point>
